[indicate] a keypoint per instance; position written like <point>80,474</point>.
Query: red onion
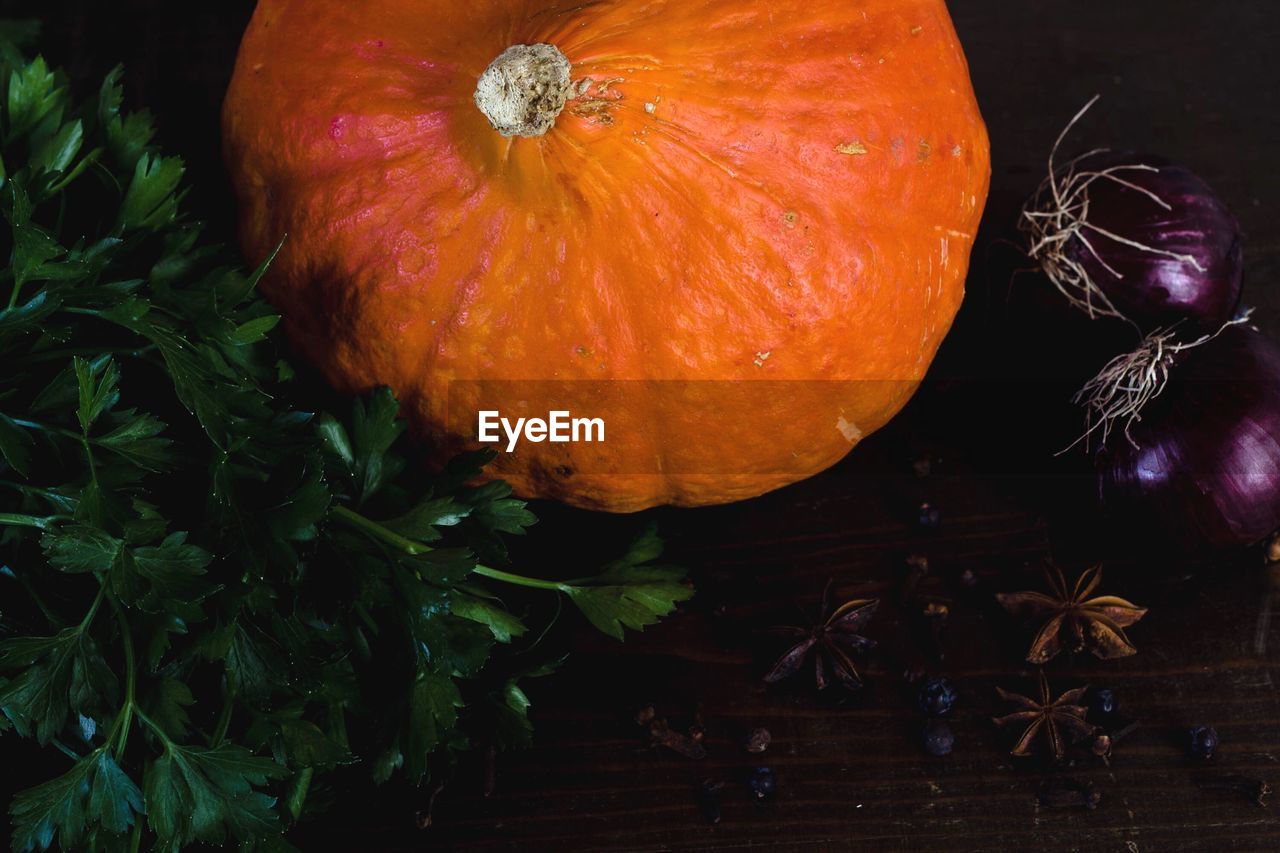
<point>1196,462</point>
<point>1137,237</point>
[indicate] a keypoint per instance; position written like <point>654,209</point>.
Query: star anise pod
<point>1097,623</point>
<point>1062,719</point>
<point>832,641</point>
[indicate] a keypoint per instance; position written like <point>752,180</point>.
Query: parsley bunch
<point>209,595</point>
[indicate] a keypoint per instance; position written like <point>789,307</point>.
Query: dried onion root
<point>1123,388</point>
<point>1133,237</point>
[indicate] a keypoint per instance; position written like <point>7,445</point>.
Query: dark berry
<point>923,466</point>
<point>709,799</point>
<point>937,696</point>
<point>758,740</point>
<point>1203,741</point>
<point>762,783</point>
<point>1103,704</point>
<point>928,518</point>
<point>938,739</point>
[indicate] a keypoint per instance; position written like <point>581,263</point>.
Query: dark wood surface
<point>1198,82</point>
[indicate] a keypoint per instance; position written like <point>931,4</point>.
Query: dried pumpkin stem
<point>1058,213</point>
<point>523,91</point>
<point>1129,382</point>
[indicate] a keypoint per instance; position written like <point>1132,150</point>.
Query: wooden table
<point>1198,82</point>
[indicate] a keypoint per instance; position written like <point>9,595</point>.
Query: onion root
<point>1120,391</point>
<point>1058,213</point>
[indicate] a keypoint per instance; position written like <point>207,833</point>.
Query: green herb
<point>209,595</point>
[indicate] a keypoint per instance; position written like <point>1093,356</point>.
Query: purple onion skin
<point>1157,291</point>
<point>1206,473</point>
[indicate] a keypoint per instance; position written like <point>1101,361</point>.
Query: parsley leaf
<point>364,451</point>
<point>33,246</point>
<point>503,624</point>
<point>207,579</point>
<point>15,444</point>
<point>151,201</point>
<point>422,521</point>
<point>36,95</point>
<point>197,794</point>
<point>55,676</point>
<point>136,437</point>
<point>167,707</point>
<point>95,792</point>
<point>434,701</point>
<point>81,548</point>
<point>633,591</point>
<point>513,729</point>
<point>98,390</point>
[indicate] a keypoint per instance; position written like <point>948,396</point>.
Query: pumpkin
<point>734,231</point>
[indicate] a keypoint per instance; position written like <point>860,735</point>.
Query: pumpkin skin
<point>740,246</point>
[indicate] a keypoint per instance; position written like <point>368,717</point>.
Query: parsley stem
<point>412,547</point>
<point>521,580</point>
<point>130,679</point>
<point>93,608</point>
<point>299,786</point>
<point>224,718</point>
<point>88,455</point>
<point>49,495</point>
<point>36,425</point>
<point>59,354</point>
<point>30,588</point>
<point>155,728</point>
<point>376,530</point>
<point>9,519</point>
<point>65,750</point>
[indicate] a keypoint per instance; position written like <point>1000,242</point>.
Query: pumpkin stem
<point>523,91</point>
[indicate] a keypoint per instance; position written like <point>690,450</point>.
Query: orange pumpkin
<point>735,231</point>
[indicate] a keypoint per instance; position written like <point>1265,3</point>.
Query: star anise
<point>1062,719</point>
<point>1097,623</point>
<point>833,641</point>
